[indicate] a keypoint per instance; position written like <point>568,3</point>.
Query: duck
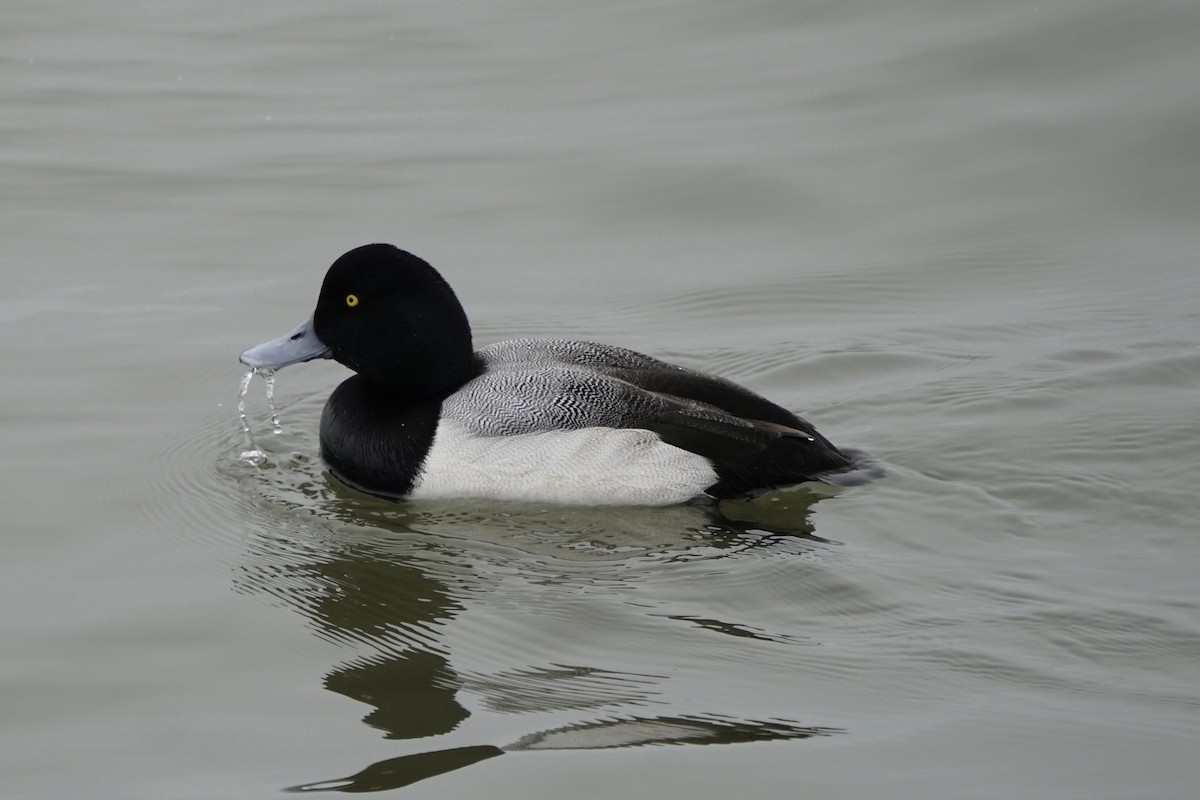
<point>426,416</point>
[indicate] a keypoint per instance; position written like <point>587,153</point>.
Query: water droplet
<point>269,379</point>
<point>255,457</point>
<point>252,455</point>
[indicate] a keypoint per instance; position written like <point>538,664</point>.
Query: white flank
<point>592,466</point>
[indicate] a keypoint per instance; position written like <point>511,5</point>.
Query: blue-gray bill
<point>302,344</point>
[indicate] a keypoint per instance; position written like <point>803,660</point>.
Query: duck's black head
<point>389,316</point>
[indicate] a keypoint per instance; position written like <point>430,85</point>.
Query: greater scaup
<point>529,419</point>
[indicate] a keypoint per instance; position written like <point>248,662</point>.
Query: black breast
<point>375,441</point>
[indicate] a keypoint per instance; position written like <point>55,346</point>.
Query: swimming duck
<point>543,420</point>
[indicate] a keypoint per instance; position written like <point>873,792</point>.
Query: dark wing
<point>514,400</point>
<point>647,373</point>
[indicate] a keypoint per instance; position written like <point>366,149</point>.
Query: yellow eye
<point>351,300</point>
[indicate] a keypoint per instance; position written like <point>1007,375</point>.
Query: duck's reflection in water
<point>395,578</point>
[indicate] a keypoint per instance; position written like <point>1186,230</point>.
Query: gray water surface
<point>962,236</point>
